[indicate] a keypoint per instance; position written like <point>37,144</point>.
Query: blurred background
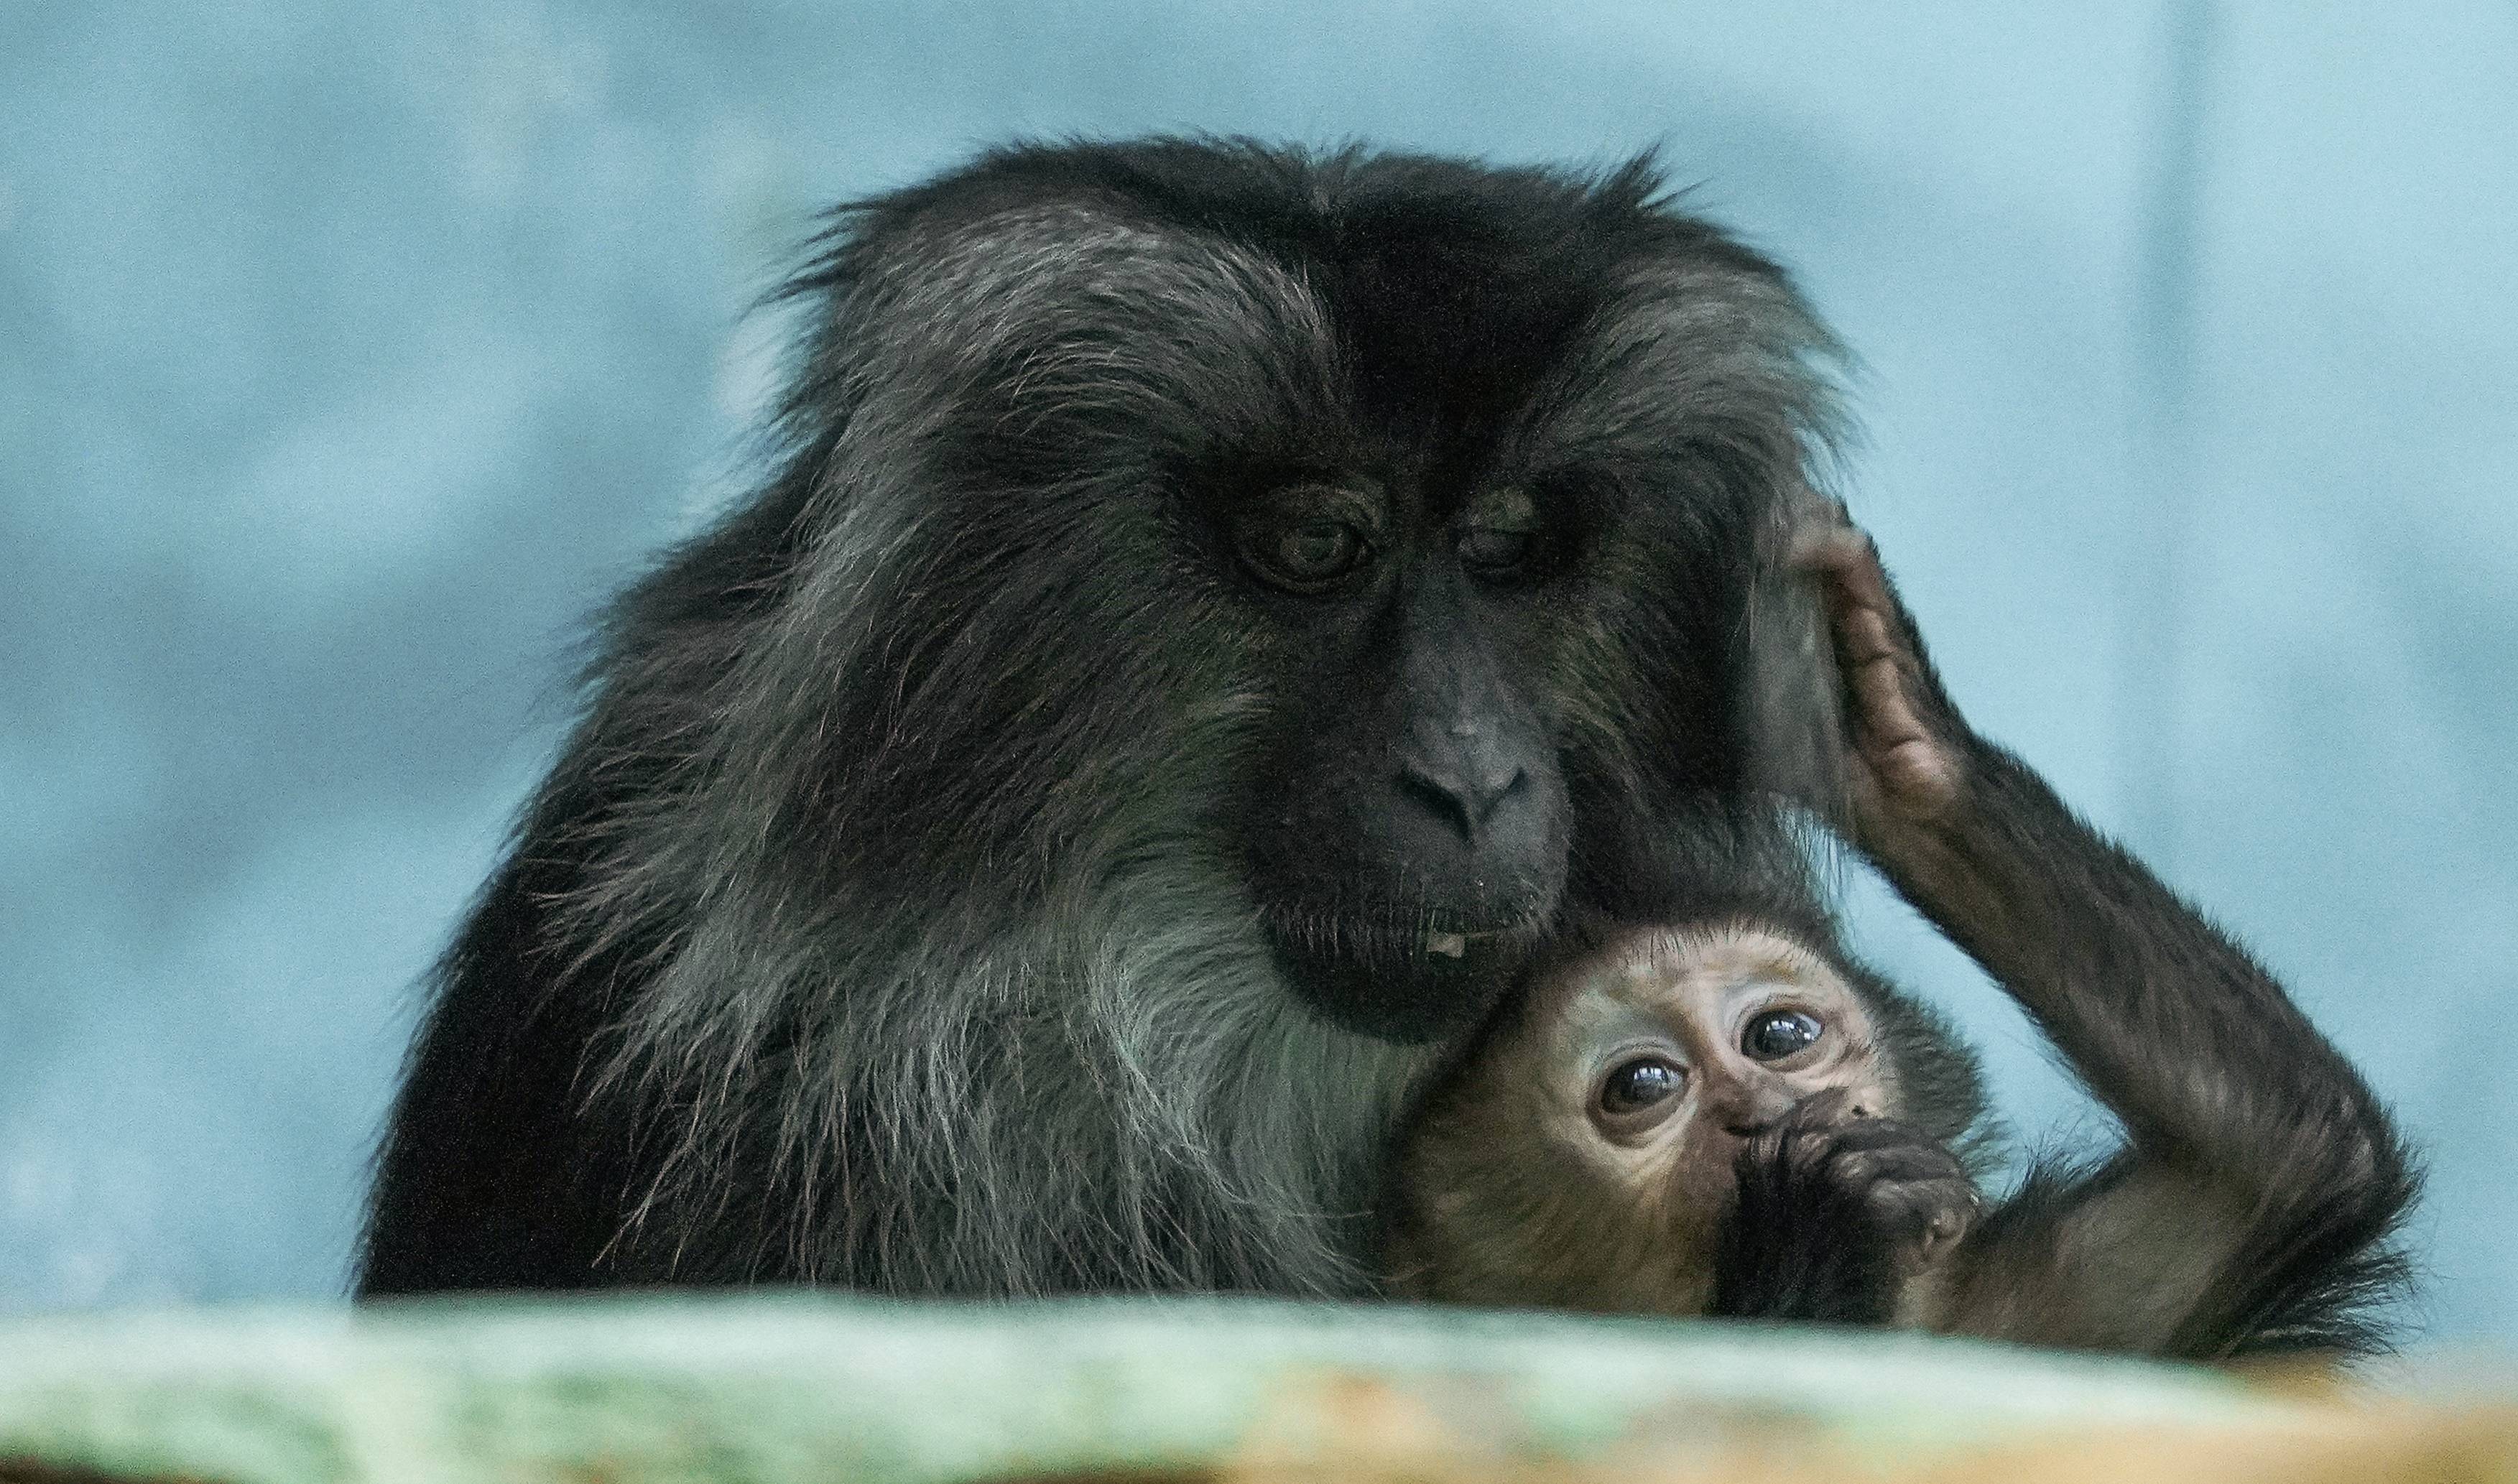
<point>349,355</point>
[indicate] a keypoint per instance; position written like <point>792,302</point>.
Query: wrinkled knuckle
<point>1855,1166</point>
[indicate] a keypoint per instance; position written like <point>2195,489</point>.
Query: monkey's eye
<point>1779,1033</point>
<point>1491,551</point>
<point>1499,534</point>
<point>1643,1082</point>
<point>1308,555</point>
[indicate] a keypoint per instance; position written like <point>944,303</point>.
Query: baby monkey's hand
<point>1837,1210</point>
<point>1908,760</point>
<point>1912,1192</point>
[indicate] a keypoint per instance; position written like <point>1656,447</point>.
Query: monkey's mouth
<point>1443,943</point>
<point>1398,930</point>
<point>1397,974</point>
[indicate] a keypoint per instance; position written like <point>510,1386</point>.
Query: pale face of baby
<point>1679,1045</point>
<point>1584,1156</point>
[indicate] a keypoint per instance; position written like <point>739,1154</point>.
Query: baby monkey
<point>1730,1116</point>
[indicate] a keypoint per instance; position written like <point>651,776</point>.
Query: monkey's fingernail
<point>1447,945</point>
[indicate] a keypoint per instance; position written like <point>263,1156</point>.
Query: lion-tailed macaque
<point>1209,611</point>
<point>1717,1117</point>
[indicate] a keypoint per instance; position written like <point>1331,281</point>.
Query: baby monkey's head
<point>1584,1155</point>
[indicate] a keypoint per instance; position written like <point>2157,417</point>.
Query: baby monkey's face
<point>1677,1046</point>
<point>1587,1153</point>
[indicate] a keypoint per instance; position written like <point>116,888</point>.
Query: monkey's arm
<point>2251,1205</point>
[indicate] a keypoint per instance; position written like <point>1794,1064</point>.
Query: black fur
<point>967,878</point>
<point>2255,1204</point>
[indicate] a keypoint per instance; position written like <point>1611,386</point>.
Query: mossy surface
<point>793,1387</point>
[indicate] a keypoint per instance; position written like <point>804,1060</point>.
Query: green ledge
<point>802,1386</point>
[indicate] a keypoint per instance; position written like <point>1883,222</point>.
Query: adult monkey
<point>1220,607</point>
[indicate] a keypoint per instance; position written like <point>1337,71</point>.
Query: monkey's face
<point>1411,832</point>
<point>1375,555</point>
<point>1586,1154</point>
<point>1672,1050</point>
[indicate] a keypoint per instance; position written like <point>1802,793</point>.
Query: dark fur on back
<point>886,921</point>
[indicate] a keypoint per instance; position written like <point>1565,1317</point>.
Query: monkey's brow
<point>1772,959</point>
<point>1791,966</point>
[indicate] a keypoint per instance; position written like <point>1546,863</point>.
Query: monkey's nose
<point>1463,793</point>
<point>1753,1110</point>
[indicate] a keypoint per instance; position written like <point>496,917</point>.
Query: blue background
<point>348,354</point>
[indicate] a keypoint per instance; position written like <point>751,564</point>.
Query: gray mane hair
<point>885,923</point>
<point>1115,1055</point>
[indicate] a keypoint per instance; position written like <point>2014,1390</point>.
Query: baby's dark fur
<point>2251,1210</point>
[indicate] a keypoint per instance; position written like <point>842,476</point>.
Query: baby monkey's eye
<point>1778,1033</point>
<point>1634,1086</point>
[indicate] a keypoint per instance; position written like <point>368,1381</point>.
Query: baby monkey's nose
<point>1765,1106</point>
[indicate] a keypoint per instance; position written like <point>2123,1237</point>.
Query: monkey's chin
<point>1410,987</point>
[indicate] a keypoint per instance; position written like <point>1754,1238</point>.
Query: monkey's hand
<point>1838,1212</point>
<point>1908,762</point>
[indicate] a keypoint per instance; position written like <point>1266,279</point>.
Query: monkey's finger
<point>1916,1206</point>
<point>1864,620</point>
<point>1884,709</point>
<point>1860,576</point>
<point>1823,549</point>
<point>1921,1166</point>
<point>1947,1227</point>
<point>1879,682</point>
<point>1859,1134</point>
<point>1865,635</point>
<point>1887,1171</point>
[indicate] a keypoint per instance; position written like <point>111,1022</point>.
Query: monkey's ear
<point>1790,713</point>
